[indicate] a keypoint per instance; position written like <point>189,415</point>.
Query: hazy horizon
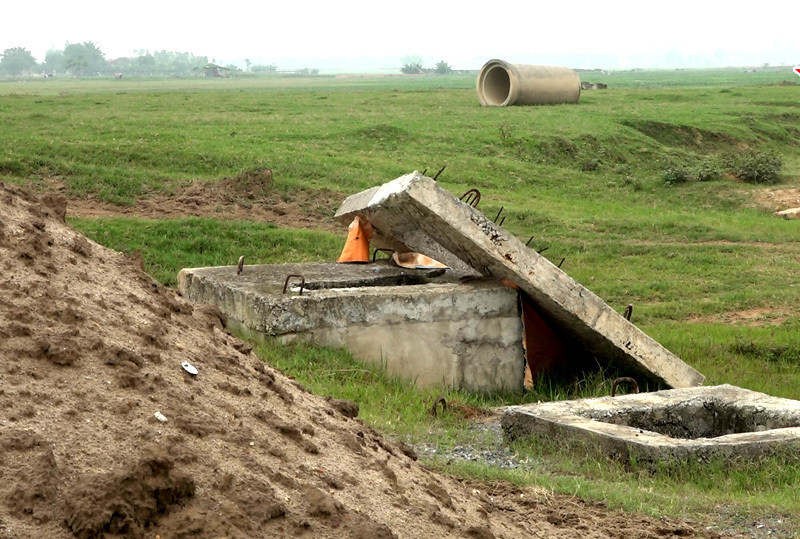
<point>364,36</point>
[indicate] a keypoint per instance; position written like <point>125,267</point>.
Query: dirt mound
<point>249,195</point>
<point>250,183</point>
<point>105,433</point>
<point>775,199</point>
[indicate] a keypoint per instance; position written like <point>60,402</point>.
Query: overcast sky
<point>374,34</point>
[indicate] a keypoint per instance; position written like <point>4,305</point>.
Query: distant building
<point>213,70</point>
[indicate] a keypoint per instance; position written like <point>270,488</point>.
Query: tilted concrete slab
<point>413,212</point>
<point>418,324</point>
<point>719,421</point>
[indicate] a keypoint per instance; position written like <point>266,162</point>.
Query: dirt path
<point>248,196</point>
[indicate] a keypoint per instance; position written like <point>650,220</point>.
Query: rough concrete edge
<point>241,302</point>
<point>402,241</point>
<point>259,315</point>
<point>375,195</point>
<point>620,441</point>
<point>623,336</point>
<point>562,414</point>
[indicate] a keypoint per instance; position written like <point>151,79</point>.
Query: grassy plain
<point>712,274</point>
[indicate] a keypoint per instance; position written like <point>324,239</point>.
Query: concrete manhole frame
<point>755,424</point>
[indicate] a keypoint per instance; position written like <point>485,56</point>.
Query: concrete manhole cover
<point>715,421</point>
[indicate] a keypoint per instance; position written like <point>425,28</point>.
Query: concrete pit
<point>420,324</point>
<point>717,421</point>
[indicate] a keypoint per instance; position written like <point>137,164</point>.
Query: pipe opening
<point>496,85</point>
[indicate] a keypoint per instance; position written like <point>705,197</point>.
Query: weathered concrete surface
<point>415,213</point>
<point>463,335</point>
<point>395,231</point>
<point>718,421</point>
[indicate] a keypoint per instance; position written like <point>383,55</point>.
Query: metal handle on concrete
<point>498,217</point>
<point>375,254</point>
<point>621,380</point>
<point>471,197</point>
<point>434,409</point>
<point>628,312</point>
<point>302,282</point>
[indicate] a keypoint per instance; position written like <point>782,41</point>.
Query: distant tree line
<point>86,59</point>
<point>412,65</point>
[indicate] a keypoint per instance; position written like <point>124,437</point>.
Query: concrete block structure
<point>413,213</point>
<point>462,329</point>
<point>420,326</point>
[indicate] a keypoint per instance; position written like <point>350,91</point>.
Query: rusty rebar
<point>628,312</point>
<point>622,379</point>
<point>434,408</point>
<point>302,282</point>
<point>375,253</point>
<point>496,217</point>
<point>471,197</point>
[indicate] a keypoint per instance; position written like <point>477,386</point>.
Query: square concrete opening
<point>723,421</point>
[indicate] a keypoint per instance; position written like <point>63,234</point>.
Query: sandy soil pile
<point>92,350</point>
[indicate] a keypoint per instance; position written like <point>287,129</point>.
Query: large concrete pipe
<point>501,84</point>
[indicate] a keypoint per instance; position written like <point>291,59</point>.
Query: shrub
<point>707,170</point>
<point>590,165</point>
<point>674,174</point>
<point>442,68</point>
<point>506,132</point>
<point>412,68</point>
<point>754,166</point>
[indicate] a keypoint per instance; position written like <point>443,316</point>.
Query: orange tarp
<point>356,247</point>
<point>544,350</point>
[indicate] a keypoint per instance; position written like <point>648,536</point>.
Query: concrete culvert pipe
<point>501,84</point>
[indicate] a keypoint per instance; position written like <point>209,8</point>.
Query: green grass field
<point>712,274</point>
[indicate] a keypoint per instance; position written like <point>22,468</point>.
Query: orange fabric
<point>544,350</point>
<point>356,247</point>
